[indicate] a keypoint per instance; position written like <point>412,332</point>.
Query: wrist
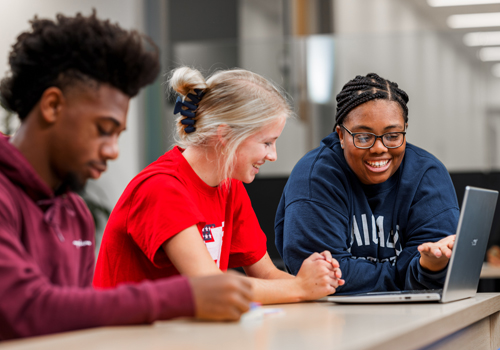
<point>434,266</point>
<point>298,292</point>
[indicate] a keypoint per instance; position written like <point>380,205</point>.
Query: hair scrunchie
<point>190,109</point>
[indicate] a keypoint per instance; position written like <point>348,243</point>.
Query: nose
<point>272,155</point>
<point>110,149</point>
<point>378,147</point>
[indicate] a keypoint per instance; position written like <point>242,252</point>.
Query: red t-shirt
<point>161,201</point>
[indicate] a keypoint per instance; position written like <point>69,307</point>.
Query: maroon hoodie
<point>47,263</point>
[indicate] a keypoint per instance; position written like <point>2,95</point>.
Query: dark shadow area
<point>265,194</point>
<point>485,180</point>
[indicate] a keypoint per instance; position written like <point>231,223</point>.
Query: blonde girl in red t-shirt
<point>227,129</point>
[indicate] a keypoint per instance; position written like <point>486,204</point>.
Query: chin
<point>379,180</point>
<point>74,182</point>
<point>246,179</point>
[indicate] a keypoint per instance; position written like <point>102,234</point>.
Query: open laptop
<point>464,268</point>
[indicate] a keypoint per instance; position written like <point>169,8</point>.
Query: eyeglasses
<point>365,140</point>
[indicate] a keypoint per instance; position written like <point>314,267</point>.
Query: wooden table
<point>467,324</point>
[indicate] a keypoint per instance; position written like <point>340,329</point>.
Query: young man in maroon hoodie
<point>70,83</point>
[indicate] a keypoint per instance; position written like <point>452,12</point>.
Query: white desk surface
<point>314,325</point>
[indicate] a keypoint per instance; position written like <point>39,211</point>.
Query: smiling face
<point>255,150</point>
<point>378,163</point>
<point>86,133</point>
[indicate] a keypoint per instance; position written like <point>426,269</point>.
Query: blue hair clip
<point>189,129</point>
<point>187,121</point>
<point>179,103</point>
<point>196,98</point>
<point>191,106</point>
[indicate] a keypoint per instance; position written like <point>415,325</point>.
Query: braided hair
<point>363,89</point>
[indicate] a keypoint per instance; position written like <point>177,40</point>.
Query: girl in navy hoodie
<point>385,209</point>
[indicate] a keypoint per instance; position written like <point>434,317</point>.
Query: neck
<point>205,164</point>
<point>34,147</point>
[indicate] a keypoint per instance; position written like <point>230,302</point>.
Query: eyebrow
<point>113,120</point>
<point>367,128</point>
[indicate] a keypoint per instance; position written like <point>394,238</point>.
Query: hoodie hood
<point>19,171</point>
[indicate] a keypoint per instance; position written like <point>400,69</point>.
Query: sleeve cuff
<point>438,275</point>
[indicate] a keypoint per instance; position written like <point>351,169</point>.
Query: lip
<point>255,168</point>
<point>96,170</point>
<point>378,169</point>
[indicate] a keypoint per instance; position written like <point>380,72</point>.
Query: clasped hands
<point>319,275</point>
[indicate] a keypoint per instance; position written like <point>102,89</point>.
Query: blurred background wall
<point>311,48</point>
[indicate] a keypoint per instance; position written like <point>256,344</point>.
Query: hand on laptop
<point>434,256</point>
<point>319,275</point>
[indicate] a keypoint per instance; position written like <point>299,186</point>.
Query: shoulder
<point>165,174</point>
<point>171,163</point>
<point>426,178</point>
<point>321,173</point>
<point>419,162</point>
<point>421,155</point>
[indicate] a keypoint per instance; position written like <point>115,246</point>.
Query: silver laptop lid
<point>474,225</point>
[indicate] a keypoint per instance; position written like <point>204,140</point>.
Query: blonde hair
<point>240,99</point>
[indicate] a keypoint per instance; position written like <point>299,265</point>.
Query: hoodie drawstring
<point>53,214</point>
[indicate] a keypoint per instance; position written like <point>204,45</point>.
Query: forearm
<point>271,285</point>
<point>318,276</point>
<point>277,291</point>
<point>24,311</point>
<point>362,276</point>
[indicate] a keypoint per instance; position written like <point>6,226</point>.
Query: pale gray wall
<point>449,93</point>
<point>262,49</point>
<point>14,19</point>
<point>454,104</point>
<point>454,100</point>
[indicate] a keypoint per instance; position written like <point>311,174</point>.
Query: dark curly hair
<point>76,49</point>
<point>363,89</point>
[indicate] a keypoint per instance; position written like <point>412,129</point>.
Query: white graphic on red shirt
<point>213,239</point>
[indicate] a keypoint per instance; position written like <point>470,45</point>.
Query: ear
<point>51,104</point>
<point>222,131</point>
<point>338,129</point>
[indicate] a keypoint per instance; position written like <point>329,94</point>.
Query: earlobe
<point>341,136</point>
<point>51,103</point>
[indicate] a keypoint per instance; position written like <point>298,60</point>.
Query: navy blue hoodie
<point>372,230</point>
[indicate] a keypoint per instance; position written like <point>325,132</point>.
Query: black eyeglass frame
<point>381,137</point>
